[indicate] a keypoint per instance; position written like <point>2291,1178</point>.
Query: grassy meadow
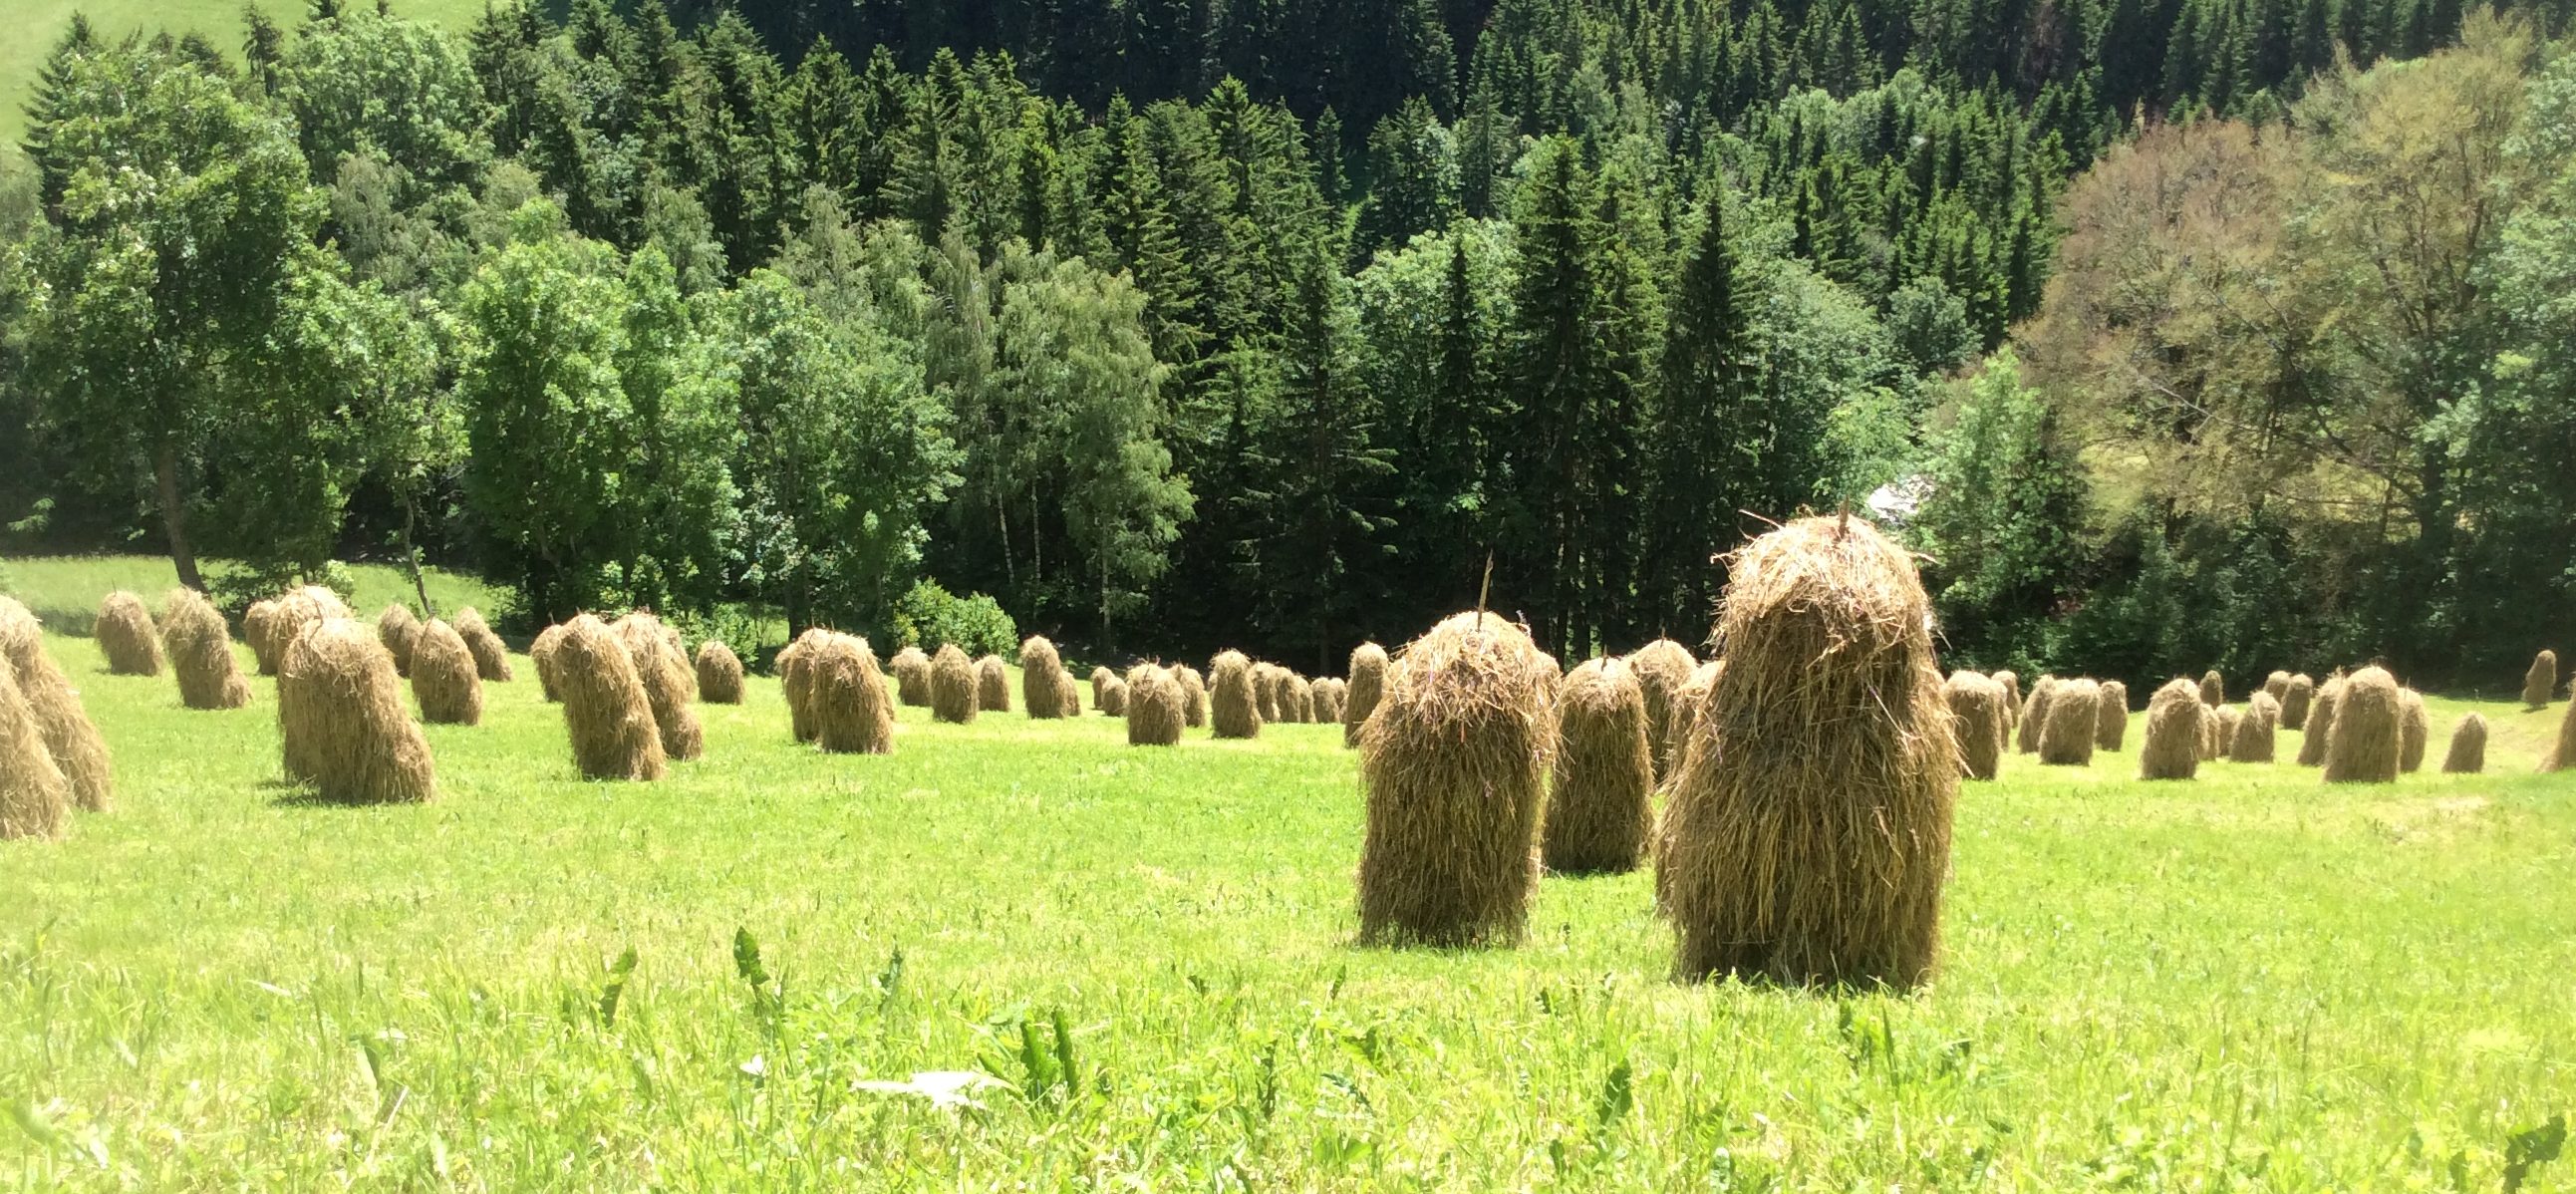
<point>2248,981</point>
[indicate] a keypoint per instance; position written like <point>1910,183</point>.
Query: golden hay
<point>126,636</point>
<point>259,629</point>
<point>290,615</point>
<point>74,744</point>
<point>2034,716</point>
<point>1113,698</point>
<point>2540,684</point>
<point>1661,668</point>
<point>2320,724</point>
<point>1068,695</point>
<point>670,686</point>
<point>201,652</point>
<point>1038,667</point>
<point>2562,754</point>
<point>1234,709</point>
<point>1101,679</point>
<point>1194,695</point>
<point>2217,731</point>
<point>35,799</point>
<point>953,686</point>
<point>1454,766</point>
<point>395,625</point>
<point>2366,740</point>
<point>491,659</point>
<point>443,680</point>
<point>1977,719</point>
<point>1300,700</point>
<point>2278,685</point>
<point>2174,716</point>
<point>719,673</point>
<point>992,685</point>
<point>1153,705</point>
<point>605,706</point>
<point>541,654</point>
<point>1810,823</point>
<point>1368,680</point>
<point>2295,700</point>
<point>1267,681</point>
<point>2213,689</point>
<point>1600,810</point>
<point>2012,697</point>
<point>2252,741</point>
<point>853,713</point>
<point>796,681</point>
<point>2414,731</point>
<point>1329,694</point>
<point>2074,722</point>
<point>342,719</point>
<point>2468,747</point>
<point>2112,728</point>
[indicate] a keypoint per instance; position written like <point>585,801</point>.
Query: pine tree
<point>1703,450</point>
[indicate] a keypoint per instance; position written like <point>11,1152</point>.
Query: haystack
<point>74,744</point>
<point>1600,810</point>
<point>290,615</point>
<point>259,629</point>
<point>1113,698</point>
<point>1977,719</point>
<point>719,673</point>
<point>2540,683</point>
<point>201,652</point>
<point>1153,703</point>
<point>491,659</point>
<point>541,654</point>
<point>35,799</point>
<point>796,681</point>
<point>853,713</point>
<point>2074,723</point>
<point>395,624</point>
<point>605,705</point>
<point>2562,755</point>
<point>2217,731</point>
<point>2367,738</point>
<point>443,679</point>
<point>1331,695</point>
<point>2414,731</point>
<point>1101,679</point>
<point>1661,668</point>
<point>954,689</point>
<point>911,671</point>
<point>992,685</point>
<point>127,637</point>
<point>1068,695</point>
<point>1038,666</point>
<point>2213,689</point>
<point>2174,716</point>
<point>2295,701</point>
<point>670,685</point>
<point>2277,685</point>
<point>1234,709</point>
<point>1810,822</point>
<point>1268,681</point>
<point>342,719</point>
<point>2468,747</point>
<point>1299,702</point>
<point>1194,696</point>
<point>2112,727</point>
<point>1368,680</point>
<point>2012,697</point>
<point>2034,716</point>
<point>2252,741</point>
<point>2320,727</point>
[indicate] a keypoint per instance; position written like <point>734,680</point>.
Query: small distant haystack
<point>2034,716</point>
<point>443,679</point>
<point>2320,728</point>
<point>74,744</point>
<point>2012,697</point>
<point>127,637</point>
<point>1600,810</point>
<point>1267,681</point>
<point>1068,694</point>
<point>1234,709</point>
<point>2468,747</point>
<point>2112,728</point>
<point>1977,714</point>
<point>35,799</point>
<point>1038,667</point>
<point>1300,701</point>
<point>2172,749</point>
<point>1454,765</point>
<point>259,629</point>
<point>719,673</point>
<point>853,713</point>
<point>2213,689</point>
<point>2367,738</point>
<point>342,719</point>
<point>2414,731</point>
<point>911,670</point>
<point>1113,698</point>
<point>2074,722</point>
<point>1329,695</point>
<point>954,689</point>
<point>395,625</point>
<point>796,681</point>
<point>2540,684</point>
<point>491,659</point>
<point>1194,696</point>
<point>1154,706</point>
<point>605,705</point>
<point>1368,679</point>
<point>670,686</point>
<point>1101,679</point>
<point>1661,668</point>
<point>201,652</point>
<point>541,654</point>
<point>992,685</point>
<point>2295,701</point>
<point>2277,686</point>
<point>2217,731</point>
<point>2252,741</point>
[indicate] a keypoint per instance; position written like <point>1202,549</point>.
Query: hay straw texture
<point>2541,682</point>
<point>35,799</point>
<point>74,744</point>
<point>954,688</point>
<point>443,679</point>
<point>1068,695</point>
<point>1368,679</point>
<point>1234,709</point>
<point>2562,755</point>
<point>1810,823</point>
<point>2217,730</point>
<point>1154,706</point>
<point>1329,694</point>
<point>127,637</point>
<point>491,659</point>
<point>2278,685</point>
<point>2468,747</point>
<point>1300,700</point>
<point>1977,717</point>
<point>719,673</point>
<point>259,629</point>
<point>2295,701</point>
<point>2320,726</point>
<point>670,686</point>
<point>341,713</point>
<point>796,681</point>
<point>911,671</point>
<point>2034,716</point>
<point>853,712</point>
<point>2365,743</point>
<point>992,685</point>
<point>541,655</point>
<point>1454,765</point>
<point>1599,810</point>
<point>1038,667</point>
<point>290,615</point>
<point>1113,698</point>
<point>395,624</point>
<point>2111,724</point>
<point>2414,731</point>
<point>2253,740</point>
<point>605,707</point>
<point>201,652</point>
<point>1194,696</point>
<point>1661,668</point>
<point>2012,697</point>
<point>2074,723</point>
<point>1268,680</point>
<point>2172,749</point>
<point>2213,689</point>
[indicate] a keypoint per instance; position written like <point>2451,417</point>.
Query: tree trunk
<point>174,516</point>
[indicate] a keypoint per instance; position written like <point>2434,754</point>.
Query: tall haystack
<point>2320,728</point>
<point>605,705</point>
<point>2213,689</point>
<point>1810,822</point>
<point>670,686</point>
<point>1068,695</point>
<point>2172,749</point>
<point>1600,809</point>
<point>201,652</point>
<point>1329,695</point>
<point>1194,695</point>
<point>1368,680</point>
<point>1454,765</point>
<point>2277,685</point>
<point>2367,738</point>
<point>2252,741</point>
<point>1268,679</point>
<point>491,659</point>
<point>955,694</point>
<point>443,679</point>
<point>343,722</point>
<point>2217,731</point>
<point>2012,698</point>
<point>1661,668</point>
<point>2414,731</point>
<point>127,637</point>
<point>395,624</point>
<point>853,713</point>
<point>719,673</point>
<point>1101,679</point>
<point>541,655</point>
<point>2468,747</point>
<point>2562,755</point>
<point>259,629</point>
<point>2540,684</point>
<point>35,799</point>
<point>796,681</point>
<point>2296,700</point>
<point>1154,706</point>
<point>1977,719</point>
<point>992,685</point>
<point>2112,726</point>
<point>2074,723</point>
<point>74,744</point>
<point>1038,666</point>
<point>1300,700</point>
<point>911,671</point>
<point>2034,716</point>
<point>1234,709</point>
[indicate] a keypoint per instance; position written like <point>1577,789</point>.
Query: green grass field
<point>2250,981</point>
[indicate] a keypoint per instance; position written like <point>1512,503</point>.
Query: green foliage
<point>2000,523</point>
<point>929,617</point>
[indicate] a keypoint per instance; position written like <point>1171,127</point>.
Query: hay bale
<point>2367,738</point>
<point>2541,682</point>
<point>1038,667</point>
<point>1453,765</point>
<point>2174,716</point>
<point>1368,680</point>
<point>796,681</point>
<point>2414,731</point>
<point>2295,700</point>
<point>201,652</point>
<point>2468,747</point>
<point>2034,716</point>
<point>2111,725</point>
<point>2213,689</point>
<point>605,706</point>
<point>2074,723</point>
<point>853,712</point>
<point>259,629</point>
<point>1810,822</point>
<point>1154,706</point>
<point>2217,730</point>
<point>2252,741</point>
<point>126,636</point>
<point>953,687</point>
<point>670,686</point>
<point>911,671</point>
<point>541,654</point>
<point>443,679</point>
<point>1234,708</point>
<point>35,798</point>
<point>491,659</point>
<point>992,685</point>
<point>1600,810</point>
<point>2276,685</point>
<point>2012,697</point>
<point>1661,668</point>
<point>394,627</point>
<point>74,744</point>
<point>342,719</point>
<point>719,673</point>
<point>2320,726</point>
<point>1977,716</point>
<point>1194,696</point>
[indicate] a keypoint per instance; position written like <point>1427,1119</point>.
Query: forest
<point>2172,334</point>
